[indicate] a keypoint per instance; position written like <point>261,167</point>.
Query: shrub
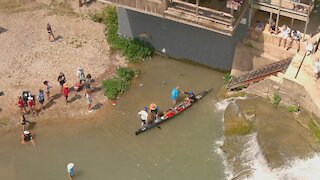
<point>276,100</point>
<point>125,73</point>
<point>293,108</point>
<point>226,78</point>
<point>118,84</point>
<point>133,49</point>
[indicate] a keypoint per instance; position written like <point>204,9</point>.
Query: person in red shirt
<point>21,105</point>
<point>65,91</point>
<point>31,105</point>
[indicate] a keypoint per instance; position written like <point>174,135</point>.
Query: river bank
<point>28,58</point>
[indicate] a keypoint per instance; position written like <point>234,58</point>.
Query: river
<point>104,146</point>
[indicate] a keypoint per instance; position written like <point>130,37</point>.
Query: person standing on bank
<point>62,79</point>
<point>80,75</point>
<point>47,88</point>
<point>41,98</point>
<point>50,32</point>
<point>65,92</point>
<point>174,94</point>
<point>87,85</point>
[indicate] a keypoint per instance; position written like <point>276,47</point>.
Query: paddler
<point>191,97</point>
<point>143,116</point>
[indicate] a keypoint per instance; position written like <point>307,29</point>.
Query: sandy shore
<point>27,57</point>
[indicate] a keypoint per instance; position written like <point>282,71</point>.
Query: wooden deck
<point>219,21</point>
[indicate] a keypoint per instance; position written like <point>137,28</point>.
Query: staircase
<point>258,74</point>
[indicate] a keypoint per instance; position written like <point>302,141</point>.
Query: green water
<point>105,147</point>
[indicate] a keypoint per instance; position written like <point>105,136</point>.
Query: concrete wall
<point>182,41</point>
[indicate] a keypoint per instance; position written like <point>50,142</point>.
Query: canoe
<point>170,113</point>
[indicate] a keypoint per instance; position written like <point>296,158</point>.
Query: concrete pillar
<point>278,15</point>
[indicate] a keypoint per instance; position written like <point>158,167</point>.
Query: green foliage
<point>276,100</point>
<point>133,49</point>
<point>226,78</point>
<point>125,73</point>
<point>293,108</point>
<point>315,130</point>
<point>118,84</point>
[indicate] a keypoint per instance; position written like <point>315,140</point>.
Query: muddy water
<point>105,147</point>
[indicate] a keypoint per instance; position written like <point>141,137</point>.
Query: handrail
<point>305,54</point>
<point>202,8</point>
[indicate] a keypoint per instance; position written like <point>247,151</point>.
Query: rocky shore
<point>27,57</point>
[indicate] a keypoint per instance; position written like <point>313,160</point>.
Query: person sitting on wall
<point>295,36</point>
<point>272,28</point>
<point>284,34</point>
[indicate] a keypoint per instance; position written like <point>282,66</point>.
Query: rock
<point>141,84</point>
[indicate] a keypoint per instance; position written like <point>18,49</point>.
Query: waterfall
<point>256,166</point>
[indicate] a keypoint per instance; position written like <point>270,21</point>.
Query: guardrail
<point>291,6</point>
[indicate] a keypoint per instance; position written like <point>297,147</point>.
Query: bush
<point>125,73</point>
<point>293,109</point>
<point>276,100</point>
<point>133,49</point>
<point>226,78</point>
<point>118,84</point>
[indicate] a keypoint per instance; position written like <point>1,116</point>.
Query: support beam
<point>197,8</point>
<point>278,15</point>
<point>292,19</point>
<point>305,29</point>
<point>250,13</point>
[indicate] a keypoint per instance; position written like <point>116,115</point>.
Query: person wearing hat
<point>154,110</point>
<point>65,91</point>
<point>27,137</point>
<point>70,170</point>
<point>143,116</point>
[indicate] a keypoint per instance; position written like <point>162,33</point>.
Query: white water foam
<point>257,166</point>
<point>297,169</point>
<point>221,107</point>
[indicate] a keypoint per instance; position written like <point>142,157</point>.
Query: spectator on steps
<point>284,34</point>
<point>295,36</point>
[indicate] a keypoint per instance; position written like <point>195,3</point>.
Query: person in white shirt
<point>316,69</point>
<point>295,36</point>
<point>143,116</point>
<point>284,34</point>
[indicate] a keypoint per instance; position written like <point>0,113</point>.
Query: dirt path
<point>27,57</point>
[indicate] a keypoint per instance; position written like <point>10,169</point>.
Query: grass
<point>315,130</point>
<point>293,108</point>
<point>276,99</point>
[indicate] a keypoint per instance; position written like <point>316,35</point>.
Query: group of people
<point>27,101</point>
<point>148,115</point>
<point>287,36</point>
